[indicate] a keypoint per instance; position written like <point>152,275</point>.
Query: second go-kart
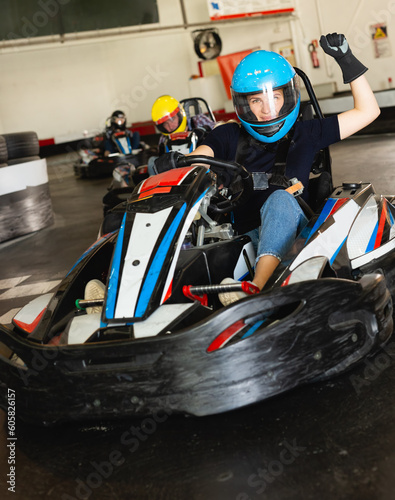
<point>92,161</point>
<point>162,340</point>
<point>200,120</point>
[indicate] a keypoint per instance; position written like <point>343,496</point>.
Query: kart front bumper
<point>323,328</point>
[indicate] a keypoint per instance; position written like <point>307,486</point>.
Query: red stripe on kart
<point>171,177</point>
<point>380,230</point>
<point>169,290</point>
<point>29,327</point>
<point>337,205</point>
<point>179,135</point>
<point>157,190</point>
<point>225,336</point>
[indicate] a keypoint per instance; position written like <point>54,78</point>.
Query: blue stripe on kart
<point>323,216</point>
<point>391,217</point>
<point>253,329</point>
<point>121,147</point>
<point>372,240</point>
<point>245,275</point>
<point>337,251</point>
<point>157,264</point>
<point>114,273</point>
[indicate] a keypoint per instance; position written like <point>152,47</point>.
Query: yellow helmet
<point>168,115</point>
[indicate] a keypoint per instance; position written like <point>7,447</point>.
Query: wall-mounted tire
<point>3,150</point>
<point>22,144</point>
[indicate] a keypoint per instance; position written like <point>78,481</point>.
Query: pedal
<point>82,304</point>
<point>199,292</point>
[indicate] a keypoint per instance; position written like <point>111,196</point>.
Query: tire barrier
<point>25,202</point>
<point>22,144</point>
<point>3,151</point>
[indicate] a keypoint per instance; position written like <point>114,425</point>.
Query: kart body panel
<point>275,342</point>
<point>93,163</point>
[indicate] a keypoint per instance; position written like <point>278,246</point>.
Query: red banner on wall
<point>227,65</point>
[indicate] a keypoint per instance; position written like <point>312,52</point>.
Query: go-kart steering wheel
<point>227,173</point>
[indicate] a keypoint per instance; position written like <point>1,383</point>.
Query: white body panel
<point>146,229</point>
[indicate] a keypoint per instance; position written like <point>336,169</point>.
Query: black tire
<point>3,150</point>
<point>15,161</point>
<point>22,144</point>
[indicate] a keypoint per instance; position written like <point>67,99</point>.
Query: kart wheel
<point>80,170</point>
<point>22,144</point>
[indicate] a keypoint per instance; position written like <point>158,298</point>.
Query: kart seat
<point>197,106</point>
<point>320,183</point>
<point>306,111</point>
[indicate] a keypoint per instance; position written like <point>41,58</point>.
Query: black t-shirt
<point>308,138</point>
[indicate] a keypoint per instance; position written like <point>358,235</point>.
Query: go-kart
<point>164,342</point>
<point>92,161</point>
<point>200,120</point>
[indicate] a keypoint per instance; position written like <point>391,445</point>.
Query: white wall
<point>60,89</point>
<point>353,18</point>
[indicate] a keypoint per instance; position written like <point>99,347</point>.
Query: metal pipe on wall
<point>127,31</point>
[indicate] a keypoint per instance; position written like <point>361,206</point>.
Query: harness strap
<point>277,176</point>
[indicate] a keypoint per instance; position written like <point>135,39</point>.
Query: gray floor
<point>334,440</point>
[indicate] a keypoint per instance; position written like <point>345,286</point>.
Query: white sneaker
<point>94,290</point>
<point>227,298</point>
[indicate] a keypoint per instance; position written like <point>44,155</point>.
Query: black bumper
<point>322,328</point>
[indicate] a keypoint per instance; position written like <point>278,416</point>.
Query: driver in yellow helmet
<point>168,115</point>
<point>171,120</point>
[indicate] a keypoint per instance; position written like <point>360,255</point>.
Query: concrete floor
<point>333,440</point>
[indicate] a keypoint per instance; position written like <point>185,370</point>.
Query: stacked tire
<point>19,147</point>
<point>25,203</point>
<point>3,152</point>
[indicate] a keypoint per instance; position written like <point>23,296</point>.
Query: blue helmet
<point>266,95</point>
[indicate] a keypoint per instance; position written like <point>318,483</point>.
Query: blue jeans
<point>282,220</point>
<point>151,161</point>
<point>135,141</point>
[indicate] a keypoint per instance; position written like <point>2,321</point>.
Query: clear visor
<point>267,104</point>
<point>119,121</point>
<point>170,122</point>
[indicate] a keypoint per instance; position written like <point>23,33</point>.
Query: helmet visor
<point>268,104</point>
<point>118,120</point>
<point>170,122</point>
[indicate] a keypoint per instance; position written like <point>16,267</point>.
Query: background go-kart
<point>333,440</point>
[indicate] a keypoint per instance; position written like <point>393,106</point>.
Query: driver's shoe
<point>94,290</point>
<point>227,298</point>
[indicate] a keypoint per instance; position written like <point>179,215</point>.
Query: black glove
<point>336,45</point>
<point>166,161</point>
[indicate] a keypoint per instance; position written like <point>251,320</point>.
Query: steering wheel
<point>228,172</point>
